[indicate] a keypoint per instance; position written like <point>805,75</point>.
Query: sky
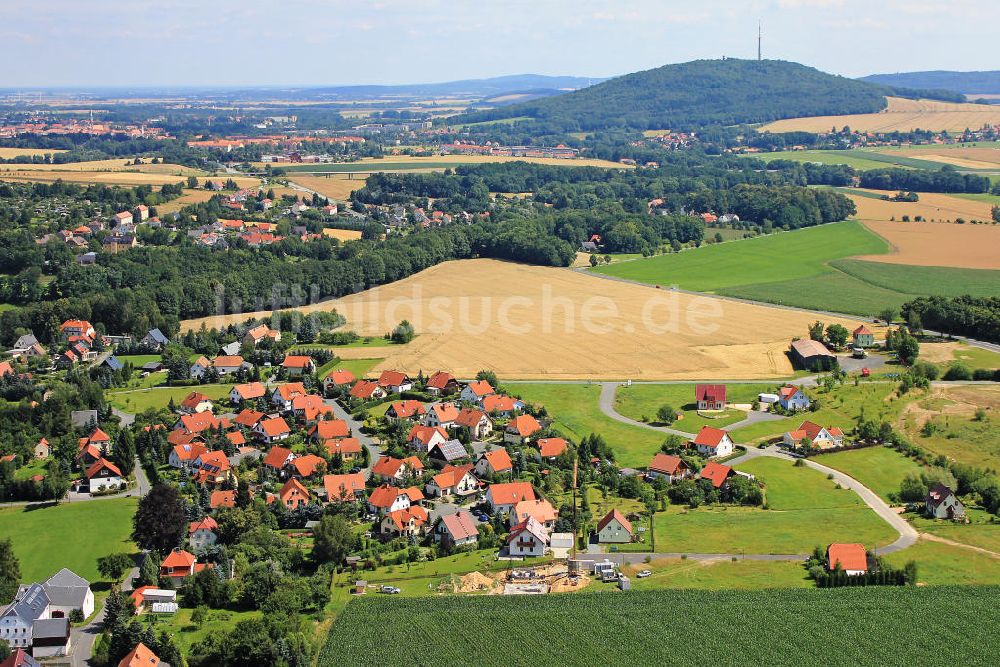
<point>80,43</point>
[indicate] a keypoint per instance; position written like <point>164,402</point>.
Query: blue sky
<point>328,42</point>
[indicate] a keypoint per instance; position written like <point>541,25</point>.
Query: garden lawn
<point>138,360</point>
<point>186,634</point>
<point>641,401</point>
<point>143,399</point>
<point>719,574</point>
<point>806,510</point>
<point>72,535</point>
<point>943,564</point>
<point>359,367</point>
<point>577,412</point>
<point>977,357</point>
<point>881,469</point>
<point>776,257</point>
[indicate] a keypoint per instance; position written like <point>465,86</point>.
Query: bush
<point>958,371</point>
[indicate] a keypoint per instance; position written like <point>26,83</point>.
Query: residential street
<point>374,453</point>
<point>82,638</point>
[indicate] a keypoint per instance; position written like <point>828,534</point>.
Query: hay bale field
<point>7,153</point>
<point>938,244</point>
<point>902,115</point>
<point>333,187</point>
<point>530,322</point>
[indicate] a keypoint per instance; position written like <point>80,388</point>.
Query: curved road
<point>907,533</point>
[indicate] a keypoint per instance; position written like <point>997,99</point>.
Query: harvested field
<point>938,244</point>
<point>152,175</point>
<point>529,322</point>
<point>979,156</point>
<point>342,234</point>
<point>902,115</point>
<point>932,206</point>
<point>189,197</point>
<point>116,164</point>
<point>7,153</point>
<point>333,187</point>
<point>440,162</point>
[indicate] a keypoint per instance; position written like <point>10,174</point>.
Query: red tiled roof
<point>460,525</point>
<point>497,403</point>
<point>481,388</point>
<point>709,436</point>
<point>330,428</point>
<point>713,393</point>
<point>499,460</point>
<point>524,425</point>
<point>549,447</point>
<point>297,361</point>
<point>388,466</point>
<point>222,499</point>
<point>276,457</point>
<point>250,390</point>
<point>290,390</point>
<point>274,426</point>
<point>291,488</point>
<point>234,361</point>
<point>140,656</point>
<point>337,485</point>
<point>384,496</point>
<point>717,473</point>
<point>511,493</point>
<point>469,417</point>
<point>406,409</point>
<point>364,389</point>
<point>248,417</point>
<point>391,378</point>
<point>445,412</point>
<point>451,475</point>
<point>423,434</point>
<point>848,556</point>
<point>666,464</point>
<point>208,523</point>
<point>862,331</point>
<point>341,376</point>
<point>308,465</point>
<point>193,399</point>
<point>178,558</point>
<point>99,465</point>
<point>440,380</point>
<point>614,514</point>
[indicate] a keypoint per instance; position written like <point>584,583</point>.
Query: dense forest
<point>699,93</point>
<point>963,316</point>
<point>946,179</point>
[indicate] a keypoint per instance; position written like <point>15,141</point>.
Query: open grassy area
<point>980,532</point>
<point>641,401</point>
<point>577,413</point>
<point>185,633</point>
<point>806,509</point>
<point>711,268</point>
<point>674,628</point>
<point>848,157</point>
<point>159,397</point>
<point>977,357</point>
<point>879,468</point>
<point>74,535</point>
<point>138,360</point>
<point>359,367</point>
<point>723,573</point>
<point>913,281</point>
<point>943,564</point>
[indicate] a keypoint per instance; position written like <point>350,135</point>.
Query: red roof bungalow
<point>712,441</point>
<point>296,365</point>
<point>338,378</point>
<point>310,407</point>
<point>367,390</point>
<point>329,428</point>
<point>425,437</point>
<point>277,458</point>
<point>222,499</point>
<point>293,495</point>
<point>140,656</point>
<point>340,488</point>
<point>179,564</point>
<point>308,465</point>
<point>394,382</point>
<point>442,384</point>
<point>550,448</point>
<point>672,468</point>
<point>393,470</point>
<point>494,462</point>
<point>851,558</point>
<point>248,418</point>
<point>272,430</point>
<point>408,409</point>
<point>347,448</point>
<point>520,429</point>
<point>716,473</point>
<point>710,396</point>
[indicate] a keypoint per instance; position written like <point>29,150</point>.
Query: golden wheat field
<point>530,322</point>
<point>189,197</point>
<point>932,206</point>
<point>116,164</point>
<point>336,186</point>
<point>983,156</point>
<point>938,244</point>
<point>902,115</point>
<point>8,153</point>
<point>342,234</point>
<point>97,177</point>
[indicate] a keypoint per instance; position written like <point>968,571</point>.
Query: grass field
<point>980,532</point>
<point>674,628</point>
<point>720,574</point>
<point>955,432</point>
<point>142,399</point>
<point>548,323</point>
<point>68,535</point>
<point>805,510</point>
<point>902,115</point>
<point>359,367</point>
<point>879,468</point>
<point>851,158</point>
<point>944,565</point>
<point>643,400</point>
<point>185,633</point>
<point>575,409</point>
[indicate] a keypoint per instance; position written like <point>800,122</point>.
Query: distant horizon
<point>111,44</point>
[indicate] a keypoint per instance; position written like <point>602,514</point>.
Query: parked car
<point>644,574</point>
<point>391,590</point>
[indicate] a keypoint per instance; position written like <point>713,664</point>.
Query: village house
<point>449,452</point>
<point>851,558</point>
<point>394,382</point>
<point>453,481</point>
<point>388,498</point>
<point>298,365</point>
<point>293,495</point>
<point>614,528</point>
<point>393,470</point>
<point>199,367</point>
<point>494,462</point>
<point>213,468</point>
<point>229,364</point>
<point>456,530</point>
<point>68,592</point>
<point>528,538</point>
<point>283,395</point>
<point>478,422</point>
<point>503,406</point>
<point>123,218</point>
<point>247,392</point>
<point>408,409</point>
<point>540,510</point>
<point>520,429</point>
<point>409,522</point>
<point>326,429</point>
<point>201,533</point>
<point>503,497</point>
<point>178,565</point>
<point>103,475</point>
<point>148,598</point>
<point>140,656</point>
<point>422,438</point>
<point>550,449</point>
<point>716,473</point>
<point>336,379</point>
<point>713,442</point>
<point>248,418</point>
<point>710,396</point>
<point>259,333</point>
<point>42,449</point>
<point>813,435</point>
<point>864,337</point>
<point>476,391</point>
<point>17,621</point>
<point>184,456</point>
<point>442,384</point>
<point>343,488</point>
<point>941,503</point>
<point>194,403</point>
<point>792,398</point>
<point>76,328</point>
<point>367,390</point>
<point>348,449</point>
<point>310,408</point>
<point>154,340</point>
<point>272,430</point>
<point>669,467</point>
<point>441,414</point>
<point>306,466</point>
<point>222,499</point>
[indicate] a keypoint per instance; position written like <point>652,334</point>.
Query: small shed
<point>360,587</point>
<point>767,398</point>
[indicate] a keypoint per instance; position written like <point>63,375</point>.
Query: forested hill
<point>698,93</point>
<point>983,83</point>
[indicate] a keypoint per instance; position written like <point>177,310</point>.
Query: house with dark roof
<point>812,355</point>
<point>68,591</point>
<point>448,452</point>
<point>942,503</point>
<point>154,340</point>
<point>17,621</point>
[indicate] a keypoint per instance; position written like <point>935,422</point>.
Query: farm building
<point>864,337</point>
<point>812,355</point>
